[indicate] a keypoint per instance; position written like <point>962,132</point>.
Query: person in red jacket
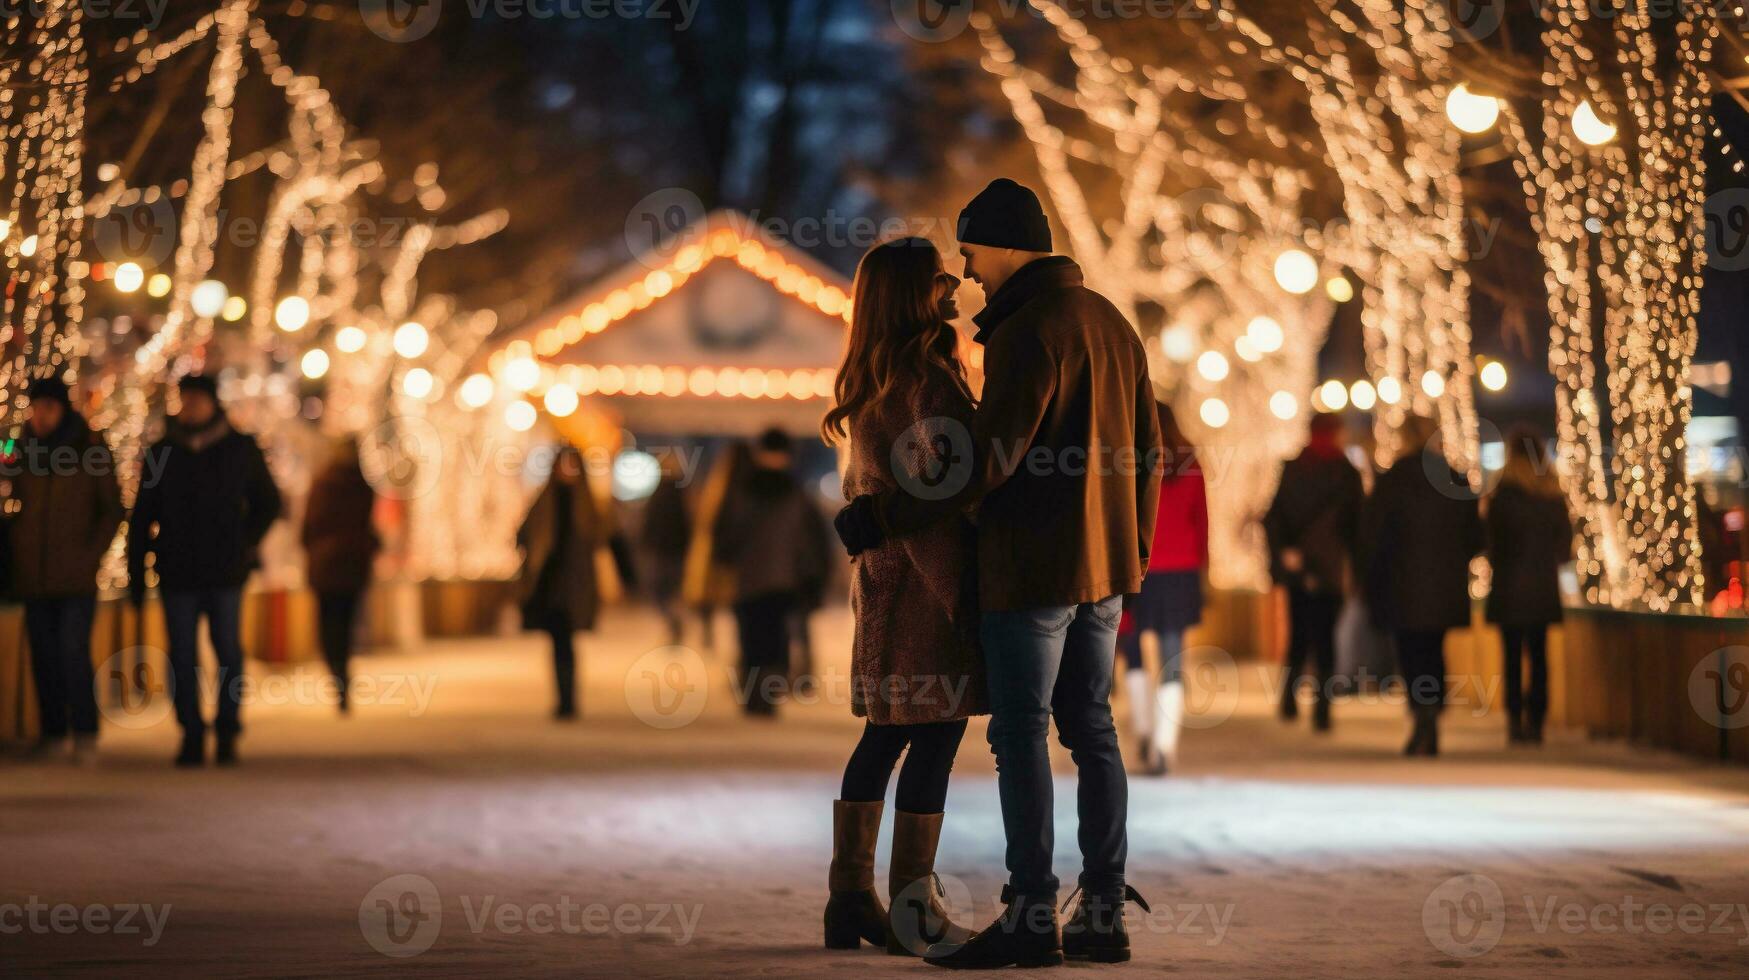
<point>1170,601</point>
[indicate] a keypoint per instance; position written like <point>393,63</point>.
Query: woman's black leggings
<point>928,764</point>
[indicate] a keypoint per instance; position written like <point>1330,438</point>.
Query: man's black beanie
<point>49,389</point>
<point>1006,215</point>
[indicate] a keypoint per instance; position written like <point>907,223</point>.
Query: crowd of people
<point>1401,556</point>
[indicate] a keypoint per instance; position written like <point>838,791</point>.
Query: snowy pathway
<point>450,827</point>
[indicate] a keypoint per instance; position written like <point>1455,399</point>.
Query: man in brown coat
<point>64,513</point>
<point>1063,459</point>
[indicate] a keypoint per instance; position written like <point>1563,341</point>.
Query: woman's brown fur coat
<point>915,656</point>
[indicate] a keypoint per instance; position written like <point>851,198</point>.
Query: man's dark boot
<point>917,920</point>
<point>1289,709</point>
<point>1095,931</point>
<point>1027,934</point>
<point>193,751</point>
<point>854,914</point>
<point>1425,739</point>
<point>225,753</point>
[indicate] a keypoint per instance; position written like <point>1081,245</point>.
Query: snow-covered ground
<point>449,826</point>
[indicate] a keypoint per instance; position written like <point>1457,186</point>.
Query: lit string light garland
<point>320,173</point>
<point>42,129</point>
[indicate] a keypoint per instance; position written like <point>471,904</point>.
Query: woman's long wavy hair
<point>898,337</point>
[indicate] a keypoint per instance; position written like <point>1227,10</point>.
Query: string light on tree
<point>314,363</point>
<point>1470,112</point>
<point>1283,405</point>
<point>208,298</point>
<point>1333,396</point>
<point>1297,272</point>
<point>129,277</point>
<point>1590,128</point>
<point>520,416</point>
<point>411,339</point>
<point>476,392</point>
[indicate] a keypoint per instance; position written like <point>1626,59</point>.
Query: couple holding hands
<point>993,544</point>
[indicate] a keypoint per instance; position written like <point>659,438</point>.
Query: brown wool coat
<point>1065,448</point>
<point>914,656</point>
<point>67,510</point>
<point>340,542</point>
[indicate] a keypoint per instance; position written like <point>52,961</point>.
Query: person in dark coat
<point>1530,536</point>
<point>64,511</point>
<point>206,500</point>
<point>1063,463</point>
<point>774,541</point>
<point>664,538</point>
<point>916,672</point>
<point>1311,526</point>
<point>1421,528</point>
<point>558,587</point>
<point>340,544</point>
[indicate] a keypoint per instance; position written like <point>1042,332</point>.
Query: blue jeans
<point>60,661</point>
<point>223,609</point>
<point>1057,662</point>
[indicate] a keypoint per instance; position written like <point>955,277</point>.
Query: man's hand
<point>858,528</point>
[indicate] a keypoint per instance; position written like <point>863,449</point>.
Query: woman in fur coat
<point>917,674</point>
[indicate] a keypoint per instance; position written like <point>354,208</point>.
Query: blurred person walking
<point>65,509</point>
<point>340,544</point>
<point>1061,461</point>
<point>663,540</point>
<point>916,673</point>
<point>1421,528</point>
<point>206,500</point>
<point>558,588</point>
<point>1530,536</point>
<point>1311,526</point>
<point>773,541</point>
<point>1170,602</point>
<point>709,582</point>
